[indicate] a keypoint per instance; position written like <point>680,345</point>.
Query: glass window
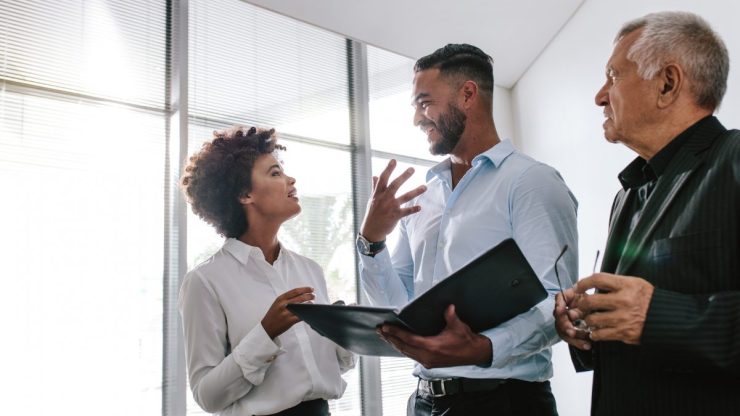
<point>82,243</point>
<point>392,127</point>
<point>254,67</point>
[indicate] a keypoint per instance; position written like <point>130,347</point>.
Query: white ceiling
<point>513,32</point>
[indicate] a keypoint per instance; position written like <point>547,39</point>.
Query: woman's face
<point>273,194</point>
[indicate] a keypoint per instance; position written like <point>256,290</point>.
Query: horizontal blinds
<point>113,50</point>
<point>257,67</point>
<point>392,131</point>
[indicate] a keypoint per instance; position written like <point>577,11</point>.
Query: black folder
<point>486,292</point>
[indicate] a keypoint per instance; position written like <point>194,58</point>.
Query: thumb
<point>450,316</point>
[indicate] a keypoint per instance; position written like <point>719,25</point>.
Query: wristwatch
<point>369,248</point>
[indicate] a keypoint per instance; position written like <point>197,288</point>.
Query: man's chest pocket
<point>689,263</point>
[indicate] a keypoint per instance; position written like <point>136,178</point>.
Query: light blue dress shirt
<point>505,194</point>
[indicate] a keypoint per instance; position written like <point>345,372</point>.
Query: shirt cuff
<point>255,353</point>
<point>502,344</point>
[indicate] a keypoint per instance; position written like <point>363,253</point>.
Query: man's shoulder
<point>727,145</point>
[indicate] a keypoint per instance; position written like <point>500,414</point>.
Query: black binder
<point>486,292</point>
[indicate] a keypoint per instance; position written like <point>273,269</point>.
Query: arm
<point>381,283</point>
<point>388,280</point>
<point>678,332</point>
<point>543,213</point>
<point>216,379</point>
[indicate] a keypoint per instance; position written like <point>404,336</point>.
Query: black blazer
<point>686,244</point>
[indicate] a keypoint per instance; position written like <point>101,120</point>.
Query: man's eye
<point>424,104</point>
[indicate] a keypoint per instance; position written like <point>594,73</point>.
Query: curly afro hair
<point>221,173</point>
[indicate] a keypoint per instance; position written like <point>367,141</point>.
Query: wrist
<point>485,358</point>
<point>368,247</point>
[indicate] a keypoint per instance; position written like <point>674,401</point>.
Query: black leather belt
<point>448,386</point>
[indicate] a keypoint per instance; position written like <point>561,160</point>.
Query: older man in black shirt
<point>662,331</point>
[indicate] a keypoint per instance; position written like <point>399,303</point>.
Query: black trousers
<point>316,407</point>
<point>513,398</point>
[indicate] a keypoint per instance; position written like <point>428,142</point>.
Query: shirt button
<point>272,358</point>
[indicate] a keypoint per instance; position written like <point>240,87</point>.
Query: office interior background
<point>101,101</point>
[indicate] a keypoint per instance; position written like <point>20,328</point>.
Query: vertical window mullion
<point>361,174</point>
<point>175,256</point>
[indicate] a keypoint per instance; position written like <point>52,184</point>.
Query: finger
<point>569,296</point>
<point>295,292</point>
<point>605,334</point>
<point>408,196</point>
<point>400,180</point>
<point>301,298</point>
<point>451,316</point>
<point>603,320</point>
<point>375,182</point>
<point>382,181</point>
<point>400,335</point>
<point>598,302</point>
<point>409,210</point>
<point>574,314</point>
<point>560,306</point>
<point>570,334</point>
<point>602,281</point>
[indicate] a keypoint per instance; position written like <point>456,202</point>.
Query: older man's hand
<point>617,311</point>
<point>565,317</point>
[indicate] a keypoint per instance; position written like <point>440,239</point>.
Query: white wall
<point>502,114</point>
<point>557,122</point>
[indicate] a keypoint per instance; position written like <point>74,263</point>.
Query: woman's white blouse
<point>233,365</point>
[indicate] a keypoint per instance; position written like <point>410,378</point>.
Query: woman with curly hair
<point>246,353</point>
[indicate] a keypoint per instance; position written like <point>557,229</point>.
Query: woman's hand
<point>278,318</point>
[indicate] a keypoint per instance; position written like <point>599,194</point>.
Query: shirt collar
<point>496,154</point>
<point>641,171</point>
<point>243,251</point>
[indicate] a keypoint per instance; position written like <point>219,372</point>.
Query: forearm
<point>217,387</point>
<point>380,282</point>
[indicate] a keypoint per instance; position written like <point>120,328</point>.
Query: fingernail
<point>586,346</point>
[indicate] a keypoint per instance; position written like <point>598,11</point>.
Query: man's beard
<point>450,127</point>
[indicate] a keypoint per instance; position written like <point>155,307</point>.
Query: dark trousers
<point>316,407</point>
<point>513,398</point>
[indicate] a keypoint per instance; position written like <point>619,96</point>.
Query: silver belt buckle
<point>441,382</point>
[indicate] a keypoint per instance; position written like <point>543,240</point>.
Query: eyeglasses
<point>580,324</point>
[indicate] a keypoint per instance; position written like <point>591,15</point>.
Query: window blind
<point>82,142</point>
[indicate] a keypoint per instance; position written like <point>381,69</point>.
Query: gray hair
<point>688,40</point>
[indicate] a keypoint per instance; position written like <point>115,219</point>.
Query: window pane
<point>397,383</point>
<point>82,246</point>
<point>391,115</point>
<point>101,48</point>
<point>257,67</point>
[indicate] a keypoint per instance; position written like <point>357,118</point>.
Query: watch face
<point>363,246</point>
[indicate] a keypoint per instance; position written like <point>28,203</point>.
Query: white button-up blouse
<point>233,366</point>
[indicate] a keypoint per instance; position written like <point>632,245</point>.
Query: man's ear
<point>670,83</point>
<point>469,93</point>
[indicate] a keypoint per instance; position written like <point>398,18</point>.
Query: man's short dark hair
<point>460,60</point>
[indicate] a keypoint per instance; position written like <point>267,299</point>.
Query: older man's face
<point>630,102</point>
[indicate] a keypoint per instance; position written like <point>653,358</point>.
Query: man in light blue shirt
<point>484,193</point>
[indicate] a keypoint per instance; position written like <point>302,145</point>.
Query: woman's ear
<point>246,199</point>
